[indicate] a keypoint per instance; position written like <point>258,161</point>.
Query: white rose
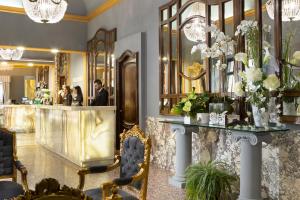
<point>253,74</point>
<point>272,82</point>
<point>238,89</point>
<point>296,55</point>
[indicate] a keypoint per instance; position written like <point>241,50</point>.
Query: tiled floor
<point>42,163</point>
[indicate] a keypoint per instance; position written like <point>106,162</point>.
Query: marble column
<point>183,153</point>
<point>251,162</point>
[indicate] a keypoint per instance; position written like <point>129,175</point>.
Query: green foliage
<point>209,181</point>
<point>192,104</point>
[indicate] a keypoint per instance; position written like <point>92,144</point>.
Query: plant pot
<point>260,119</point>
<point>189,120</point>
<point>289,108</point>
<point>203,118</point>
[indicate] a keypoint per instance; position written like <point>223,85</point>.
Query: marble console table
<point>251,154</point>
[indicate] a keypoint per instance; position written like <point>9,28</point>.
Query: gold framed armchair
<point>134,161</point>
<point>9,164</point>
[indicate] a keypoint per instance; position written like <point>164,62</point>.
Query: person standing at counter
<point>101,94</point>
<point>67,100</point>
<point>77,96</point>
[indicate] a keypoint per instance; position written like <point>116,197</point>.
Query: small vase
<point>203,118</point>
<point>189,120</point>
<point>260,119</point>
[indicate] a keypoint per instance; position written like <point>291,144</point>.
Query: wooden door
<point>127,92</point>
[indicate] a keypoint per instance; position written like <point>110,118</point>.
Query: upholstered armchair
<point>9,165</point>
<point>134,160</point>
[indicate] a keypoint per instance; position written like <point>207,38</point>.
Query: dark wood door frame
<point>126,56</point>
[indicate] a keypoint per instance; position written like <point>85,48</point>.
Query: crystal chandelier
<point>45,11</point>
<point>194,29</point>
<point>12,54</point>
<point>290,9</point>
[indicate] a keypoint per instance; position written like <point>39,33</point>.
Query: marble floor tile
<point>42,163</point>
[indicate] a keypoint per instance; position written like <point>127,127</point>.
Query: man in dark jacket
<point>101,94</point>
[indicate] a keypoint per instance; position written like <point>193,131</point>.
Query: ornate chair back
<point>7,155</point>
<point>135,153</point>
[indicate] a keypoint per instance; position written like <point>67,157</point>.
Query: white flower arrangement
<point>223,46</point>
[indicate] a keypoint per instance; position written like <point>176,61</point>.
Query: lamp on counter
<point>45,11</point>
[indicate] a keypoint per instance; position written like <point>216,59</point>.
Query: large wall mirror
<point>101,62</point>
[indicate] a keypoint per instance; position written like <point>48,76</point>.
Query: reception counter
<point>83,135</point>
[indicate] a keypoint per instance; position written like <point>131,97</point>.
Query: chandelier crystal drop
<point>194,30</point>
<point>45,11</point>
<point>290,9</point>
<point>11,54</point>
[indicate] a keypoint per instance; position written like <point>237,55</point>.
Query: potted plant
<point>254,82</point>
<point>191,105</point>
<point>209,181</point>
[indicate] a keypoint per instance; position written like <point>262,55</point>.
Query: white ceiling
<point>78,7</point>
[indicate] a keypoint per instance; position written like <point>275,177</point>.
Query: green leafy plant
<point>209,181</point>
<point>192,104</point>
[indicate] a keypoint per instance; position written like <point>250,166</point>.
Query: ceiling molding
<point>108,4</point>
<point>42,49</point>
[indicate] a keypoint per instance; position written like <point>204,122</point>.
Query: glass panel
<point>165,14</point>
<point>165,60</point>
<point>269,62</point>
<point>249,9</point>
<point>214,15</point>
<point>195,9</point>
<point>229,26</point>
<point>174,10</point>
<point>165,106</point>
<point>229,77</point>
<point>291,106</point>
<point>174,61</point>
<point>291,46</point>
<point>183,2</point>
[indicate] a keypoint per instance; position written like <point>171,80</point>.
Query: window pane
<point>165,60</point>
<point>174,61</point>
<point>229,26</point>
<point>165,14</point>
<point>174,9</point>
<point>214,15</point>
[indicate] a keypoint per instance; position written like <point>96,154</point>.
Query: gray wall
<point>19,30</point>
<point>135,16</point>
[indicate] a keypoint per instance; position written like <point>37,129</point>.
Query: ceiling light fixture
<point>55,51</point>
<point>290,10</point>
<point>194,29</point>
<point>45,11</point>
<point>11,54</point>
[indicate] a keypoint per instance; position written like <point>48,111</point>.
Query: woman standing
<point>67,100</point>
<point>77,96</point>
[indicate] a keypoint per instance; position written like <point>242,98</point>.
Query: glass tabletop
<point>241,128</point>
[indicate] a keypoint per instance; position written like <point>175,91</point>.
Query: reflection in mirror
<point>174,61</point>
<point>249,9</point>
<point>165,14</point>
<point>215,73</point>
<point>165,60</point>
<point>192,65</point>
<point>228,25</point>
<point>174,9</point>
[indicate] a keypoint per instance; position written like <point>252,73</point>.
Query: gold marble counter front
<point>84,136</point>
<point>19,118</point>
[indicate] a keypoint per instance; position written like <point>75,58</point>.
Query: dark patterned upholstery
<point>96,194</point>
<point>6,154</point>
<point>131,157</point>
<point>10,189</point>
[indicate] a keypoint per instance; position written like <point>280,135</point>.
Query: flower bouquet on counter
<point>191,106</point>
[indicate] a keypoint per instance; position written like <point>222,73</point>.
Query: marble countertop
<point>61,107</point>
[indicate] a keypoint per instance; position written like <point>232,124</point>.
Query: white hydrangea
<point>238,89</point>
<point>253,74</point>
<point>245,27</point>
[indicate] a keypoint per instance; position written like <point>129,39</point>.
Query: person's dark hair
<point>78,90</point>
<point>68,89</point>
<point>98,81</point>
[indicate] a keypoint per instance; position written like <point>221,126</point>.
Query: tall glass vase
<point>261,119</point>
